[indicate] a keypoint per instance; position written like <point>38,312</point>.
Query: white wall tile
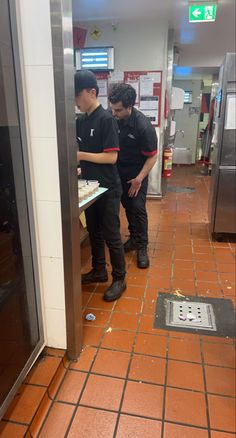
<point>49,226</point>
<point>56,328</point>
<point>53,282</point>
<point>41,101</point>
<point>45,168</point>
<point>36,32</point>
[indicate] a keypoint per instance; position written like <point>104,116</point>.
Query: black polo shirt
<point>97,133</point>
<point>138,141</point>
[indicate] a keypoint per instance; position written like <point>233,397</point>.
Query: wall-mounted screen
<point>188,97</point>
<point>95,58</point>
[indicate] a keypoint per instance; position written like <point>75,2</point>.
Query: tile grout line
<point>165,390</point>
<point>206,395</point>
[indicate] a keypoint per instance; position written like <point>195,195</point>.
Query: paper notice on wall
<point>135,85</point>
<point>116,76</point>
<point>152,115</point>
<point>103,101</point>
<point>156,76</point>
<point>149,102</point>
<point>102,85</point>
<point>146,85</point>
<point>230,117</point>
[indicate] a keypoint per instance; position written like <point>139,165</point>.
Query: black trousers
<point>103,224</point>
<point>136,213</point>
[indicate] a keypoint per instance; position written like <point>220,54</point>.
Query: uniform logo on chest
<point>91,132</point>
<point>131,136</point>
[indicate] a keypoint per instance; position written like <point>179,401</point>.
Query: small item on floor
<point>191,317</point>
<point>178,294</point>
<point>109,330</point>
<point>182,318</point>
<point>90,317</point>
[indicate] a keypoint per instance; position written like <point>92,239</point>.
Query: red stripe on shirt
<point>111,149</point>
<point>149,154</point>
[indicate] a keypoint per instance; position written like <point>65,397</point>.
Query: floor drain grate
<point>181,189</point>
<point>187,314</point>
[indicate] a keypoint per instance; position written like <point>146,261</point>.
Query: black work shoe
<point>142,258</point>
<point>115,290</point>
<point>130,245</point>
<point>94,276</point>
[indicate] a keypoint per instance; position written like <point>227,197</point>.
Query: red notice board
<point>148,86</point>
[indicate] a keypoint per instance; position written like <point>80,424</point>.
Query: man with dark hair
<point>138,151</point>
<point>97,135</point>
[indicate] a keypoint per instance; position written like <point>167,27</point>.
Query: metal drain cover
<point>188,314</point>
<point>181,189</point>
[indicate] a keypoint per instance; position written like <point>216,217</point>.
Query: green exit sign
<point>198,13</point>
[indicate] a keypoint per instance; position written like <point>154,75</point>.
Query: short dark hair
<point>85,80</point>
<point>122,93</point>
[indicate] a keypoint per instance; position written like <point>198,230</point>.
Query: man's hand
<point>135,185</point>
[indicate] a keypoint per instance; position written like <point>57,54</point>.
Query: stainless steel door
<point>225,204</point>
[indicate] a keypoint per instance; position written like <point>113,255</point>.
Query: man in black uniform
<point>138,151</point>
<point>97,135</point>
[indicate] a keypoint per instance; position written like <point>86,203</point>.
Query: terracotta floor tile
<point>124,321</point>
<point>56,381</point>
<point>184,274</point>
<point>143,399</point>
<point>40,416</point>
<point>92,423</point>
<point>222,413</point>
<point>151,344</point>
<point>177,431</point>
<point>57,421</point>
<point>219,354</point>
<point>118,340</point>
<point>25,404</point>
<point>222,259</point>
<point>146,325</point>
<point>130,305</point>
<point>180,264</point>
<point>184,349</point>
<point>215,434</point>
<point>43,371</point>
<point>151,294</point>
<point>162,283</point>
<point>220,380</point>
<point>138,427</point>
<point>11,430</point>
<point>148,369</point>
<point>85,298</point>
<point>97,302</point>
<point>209,258</point>
<point>226,268</point>
<point>71,387</point>
<point>184,285</point>
<point>88,288</point>
<point>207,276</point>
<point>103,392</point>
<point>185,375</point>
<point>136,280</point>
<point>206,266</point>
<point>149,307</point>
<point>186,407</point>
<point>102,317</point>
<point>85,359</point>
<point>92,335</point>
<point>134,291</point>
<point>111,363</point>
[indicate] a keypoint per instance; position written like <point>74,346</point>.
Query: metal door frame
<point>16,49</point>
